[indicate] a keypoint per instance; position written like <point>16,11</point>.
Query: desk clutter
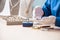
<point>15,20</point>
<point>35,24</point>
<point>12,20</point>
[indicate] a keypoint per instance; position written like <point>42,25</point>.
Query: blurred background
<point>6,10</point>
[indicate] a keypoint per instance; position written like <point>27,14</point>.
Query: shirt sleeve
<point>47,8</point>
<point>57,22</point>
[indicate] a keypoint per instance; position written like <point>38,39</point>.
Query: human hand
<point>48,20</point>
<point>52,18</point>
<point>38,12</point>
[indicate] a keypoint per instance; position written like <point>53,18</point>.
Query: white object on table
<point>2,22</point>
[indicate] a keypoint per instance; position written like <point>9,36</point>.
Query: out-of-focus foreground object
<point>2,4</point>
<point>28,23</point>
<point>2,22</point>
<point>13,19</point>
<point>24,6</point>
<point>14,7</point>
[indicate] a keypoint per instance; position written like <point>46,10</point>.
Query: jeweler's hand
<point>38,12</point>
<point>48,20</point>
<point>53,19</point>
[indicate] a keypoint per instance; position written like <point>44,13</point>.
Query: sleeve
<point>57,22</point>
<point>47,8</point>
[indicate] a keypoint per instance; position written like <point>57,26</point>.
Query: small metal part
<point>40,27</point>
<point>45,26</point>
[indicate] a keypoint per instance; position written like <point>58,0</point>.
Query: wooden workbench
<point>18,32</point>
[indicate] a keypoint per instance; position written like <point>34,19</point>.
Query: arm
<point>47,8</point>
<point>57,22</point>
